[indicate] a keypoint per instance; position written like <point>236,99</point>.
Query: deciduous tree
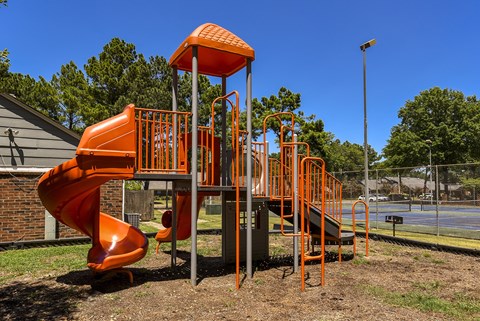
<point>444,117</point>
<point>447,118</point>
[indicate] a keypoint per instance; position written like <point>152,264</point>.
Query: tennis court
<point>449,219</point>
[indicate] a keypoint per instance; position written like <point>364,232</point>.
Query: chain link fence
<point>438,199</point>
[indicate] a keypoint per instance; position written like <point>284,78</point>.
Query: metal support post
<point>173,262</point>
<point>174,108</point>
<point>437,194</point>
<point>365,129</point>
<point>249,169</point>
<point>174,225</point>
<point>224,134</point>
<point>194,166</point>
<point>376,187</point>
<point>295,204</point>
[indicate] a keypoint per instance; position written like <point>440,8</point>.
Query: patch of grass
<point>141,294</point>
<point>390,249</point>
<point>428,286</point>
<point>145,228</point>
<point>276,250</point>
<point>427,256</point>
<point>360,261</point>
<point>443,240</point>
<point>209,221</point>
<point>113,296</point>
<point>438,261</point>
<point>424,298</point>
<point>205,247</point>
<point>41,261</point>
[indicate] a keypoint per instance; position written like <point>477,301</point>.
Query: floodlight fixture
<point>368,44</point>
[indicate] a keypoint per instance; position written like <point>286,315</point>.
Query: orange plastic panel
<point>112,137</point>
<point>220,52</point>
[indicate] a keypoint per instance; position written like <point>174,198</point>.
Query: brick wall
<point>22,215</point>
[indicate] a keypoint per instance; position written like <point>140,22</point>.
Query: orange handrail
<point>283,167</point>
<point>290,177</point>
<point>354,223</point>
<point>277,116</point>
<point>310,167</point>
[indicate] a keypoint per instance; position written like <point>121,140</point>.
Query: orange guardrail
<point>259,179</point>
<point>159,133</point>
<point>333,197</point>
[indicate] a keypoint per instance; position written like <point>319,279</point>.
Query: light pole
<point>363,48</point>
<point>429,143</point>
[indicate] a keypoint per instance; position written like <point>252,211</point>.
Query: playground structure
<point>169,145</point>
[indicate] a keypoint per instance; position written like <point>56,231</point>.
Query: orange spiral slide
<point>71,192</point>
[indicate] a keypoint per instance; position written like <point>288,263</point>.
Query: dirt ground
<point>361,288</point>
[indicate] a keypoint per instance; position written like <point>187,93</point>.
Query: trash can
<point>132,219</point>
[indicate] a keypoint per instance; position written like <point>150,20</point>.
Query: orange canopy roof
<point>220,52</point>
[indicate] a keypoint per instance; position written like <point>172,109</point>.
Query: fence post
<point>437,187</point>
<point>376,186</point>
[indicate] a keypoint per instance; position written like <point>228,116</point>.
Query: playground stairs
<point>333,233</point>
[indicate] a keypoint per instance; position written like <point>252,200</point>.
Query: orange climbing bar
<point>354,224</point>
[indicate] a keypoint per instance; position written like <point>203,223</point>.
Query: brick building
<point>30,145</point>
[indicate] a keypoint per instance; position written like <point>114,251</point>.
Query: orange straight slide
<point>71,192</point>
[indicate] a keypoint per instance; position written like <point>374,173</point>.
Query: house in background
<point>30,145</point>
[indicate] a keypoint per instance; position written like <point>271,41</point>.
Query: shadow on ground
<point>39,301</point>
<point>207,267</point>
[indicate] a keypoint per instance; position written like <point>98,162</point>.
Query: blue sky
<point>310,47</point>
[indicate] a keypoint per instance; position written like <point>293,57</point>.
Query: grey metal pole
<point>174,165</point>
<point>174,108</point>
<point>173,262</point>
<point>376,212</point>
<point>295,204</point>
<point>224,134</point>
<point>194,191</point>
<point>431,173</point>
<point>224,168</point>
<point>249,169</point>
<point>365,126</point>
